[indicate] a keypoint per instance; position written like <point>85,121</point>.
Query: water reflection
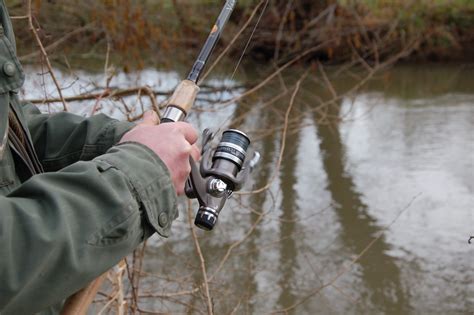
<point>257,202</point>
<point>379,271</point>
<point>288,223</point>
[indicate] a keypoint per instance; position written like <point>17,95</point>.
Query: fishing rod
<point>185,93</point>
<point>222,170</point>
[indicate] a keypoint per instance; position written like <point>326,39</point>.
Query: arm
<point>58,231</point>
<point>64,138</point>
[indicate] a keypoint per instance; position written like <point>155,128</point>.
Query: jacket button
<point>9,68</point>
<point>163,219</point>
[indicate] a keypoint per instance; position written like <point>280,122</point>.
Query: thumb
<point>150,118</point>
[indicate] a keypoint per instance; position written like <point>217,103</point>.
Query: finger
<point>195,153</point>
<point>150,118</point>
<point>180,189</point>
<point>190,134</point>
<point>184,173</point>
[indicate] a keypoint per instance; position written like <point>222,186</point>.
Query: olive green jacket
<point>94,203</point>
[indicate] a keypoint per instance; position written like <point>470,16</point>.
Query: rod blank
<point>211,41</point>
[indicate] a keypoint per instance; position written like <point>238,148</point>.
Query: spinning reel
<point>222,171</point>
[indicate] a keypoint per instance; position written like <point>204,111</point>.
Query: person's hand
<point>172,142</point>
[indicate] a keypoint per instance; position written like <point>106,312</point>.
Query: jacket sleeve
<point>60,230</point>
<point>61,139</point>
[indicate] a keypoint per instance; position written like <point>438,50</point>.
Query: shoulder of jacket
<point>11,72</point>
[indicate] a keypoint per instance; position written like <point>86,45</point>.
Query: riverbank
<point>145,32</point>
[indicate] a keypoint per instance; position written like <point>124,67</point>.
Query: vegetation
<point>145,31</point>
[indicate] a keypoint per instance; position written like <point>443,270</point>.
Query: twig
<point>106,93</point>
<point>58,42</point>
<point>234,245</point>
<point>348,267</point>
<point>234,39</point>
<point>277,72</point>
<point>280,29</point>
<point>201,259</point>
<point>283,137</point>
<point>45,55</point>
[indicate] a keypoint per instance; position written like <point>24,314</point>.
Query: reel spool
<point>221,171</point>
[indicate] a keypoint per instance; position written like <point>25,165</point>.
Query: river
<point>370,211</point>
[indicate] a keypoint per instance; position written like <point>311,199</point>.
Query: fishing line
<point>242,56</point>
<point>249,40</point>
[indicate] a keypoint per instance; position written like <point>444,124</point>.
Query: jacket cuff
<point>150,181</point>
<point>120,128</point>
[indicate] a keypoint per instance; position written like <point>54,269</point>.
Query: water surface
<point>394,162</point>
